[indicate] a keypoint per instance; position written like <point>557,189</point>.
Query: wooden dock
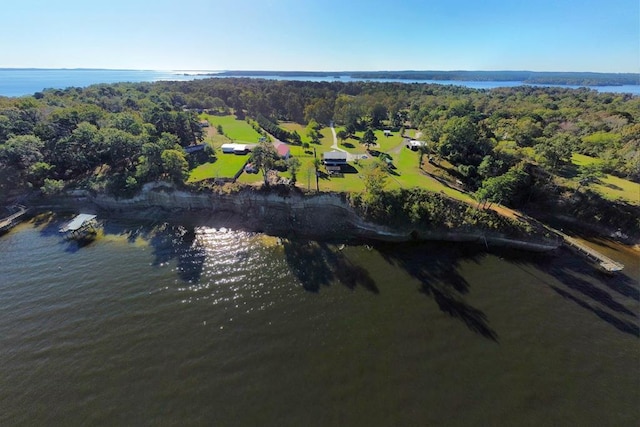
<point>11,221</point>
<point>603,262</point>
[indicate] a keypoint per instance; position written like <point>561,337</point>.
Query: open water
<point>159,324</point>
<point>27,81</point>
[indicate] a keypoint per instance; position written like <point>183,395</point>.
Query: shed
<point>415,144</point>
<point>235,148</point>
<point>193,148</point>
<point>228,148</point>
<point>240,149</point>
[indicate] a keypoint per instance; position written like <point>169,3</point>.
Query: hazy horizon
<point>258,70</point>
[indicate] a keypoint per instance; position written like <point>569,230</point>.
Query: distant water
<point>20,82</point>
<point>167,325</point>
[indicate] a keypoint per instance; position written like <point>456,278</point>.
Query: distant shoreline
<point>527,77</point>
<point>16,82</point>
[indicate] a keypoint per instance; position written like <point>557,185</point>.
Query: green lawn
<point>614,188</point>
<point>407,174</point>
<point>410,175</point>
<point>225,166</point>
<point>582,160</point>
<point>383,143</point>
<point>386,143</point>
<point>610,187</point>
<point>301,129</point>
<point>326,137</point>
<point>236,130</point>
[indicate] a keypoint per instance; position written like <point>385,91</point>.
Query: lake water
<point>161,324</point>
<point>20,82</point>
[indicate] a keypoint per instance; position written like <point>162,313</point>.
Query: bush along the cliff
<point>434,211</point>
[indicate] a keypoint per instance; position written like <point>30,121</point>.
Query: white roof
<point>234,146</point>
<point>77,222</point>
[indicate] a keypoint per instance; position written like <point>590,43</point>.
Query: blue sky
<point>331,35</point>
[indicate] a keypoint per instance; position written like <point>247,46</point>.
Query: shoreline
<point>325,216</point>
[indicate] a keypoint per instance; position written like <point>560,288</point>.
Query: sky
<point>326,35</point>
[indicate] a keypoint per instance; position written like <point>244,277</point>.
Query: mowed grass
<point>407,174</point>
<point>582,160</point>
<point>611,187</point>
<point>326,139</point>
<point>236,130</point>
<point>614,188</point>
<point>383,143</point>
<point>225,166</point>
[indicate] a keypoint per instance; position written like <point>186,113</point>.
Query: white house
<point>334,158</point>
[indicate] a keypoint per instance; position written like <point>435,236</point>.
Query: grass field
<point>582,160</point>
<point>609,186</point>
<point>326,137</point>
<point>406,173</point>
<point>225,166</point>
<point>614,188</point>
<point>236,130</point>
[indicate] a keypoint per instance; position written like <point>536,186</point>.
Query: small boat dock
<point>603,262</point>
<point>7,223</point>
<point>82,227</point>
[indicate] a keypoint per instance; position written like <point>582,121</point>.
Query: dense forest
<point>505,144</point>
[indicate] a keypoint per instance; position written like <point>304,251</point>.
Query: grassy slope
<point>611,187</point>
<point>236,130</point>
<point>225,166</point>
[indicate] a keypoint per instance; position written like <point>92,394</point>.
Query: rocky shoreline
<point>326,216</point>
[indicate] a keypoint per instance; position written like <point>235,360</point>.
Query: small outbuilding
<point>194,148</point>
<point>415,144</point>
<point>235,148</point>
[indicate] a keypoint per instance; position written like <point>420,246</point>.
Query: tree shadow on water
<point>316,264</point>
<point>579,281</point>
<point>582,284</point>
<point>179,243</point>
<point>435,266</point>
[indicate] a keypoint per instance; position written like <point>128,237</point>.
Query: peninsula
<point>421,161</point>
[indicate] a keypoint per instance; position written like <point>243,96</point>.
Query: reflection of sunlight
<point>235,266</point>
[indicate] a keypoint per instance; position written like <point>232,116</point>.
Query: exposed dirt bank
<point>326,216</point>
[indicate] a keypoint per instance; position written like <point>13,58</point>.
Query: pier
<point>603,262</point>
<point>7,223</point>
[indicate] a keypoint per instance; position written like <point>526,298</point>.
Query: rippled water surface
<point>161,324</point>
